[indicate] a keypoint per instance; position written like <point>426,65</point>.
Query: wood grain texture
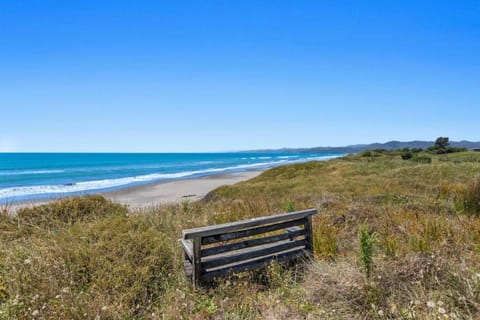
<point>238,225</point>
<point>252,243</point>
<point>253,253</point>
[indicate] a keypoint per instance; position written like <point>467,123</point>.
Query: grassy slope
<point>84,257</point>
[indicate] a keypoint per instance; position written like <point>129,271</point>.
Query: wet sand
<point>164,192</point>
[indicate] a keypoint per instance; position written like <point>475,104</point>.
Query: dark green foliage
<point>422,159</point>
<point>454,150</point>
<point>407,155</point>
<point>367,239</point>
<point>442,146</point>
<point>441,143</point>
<point>417,150</point>
<point>367,153</point>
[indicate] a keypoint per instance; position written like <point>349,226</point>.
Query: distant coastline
<point>390,145</point>
<point>41,177</point>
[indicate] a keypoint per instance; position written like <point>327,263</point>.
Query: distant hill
<point>390,145</point>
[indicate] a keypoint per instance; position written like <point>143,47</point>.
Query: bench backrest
<point>210,251</point>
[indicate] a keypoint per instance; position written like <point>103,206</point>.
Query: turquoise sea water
<point>26,176</point>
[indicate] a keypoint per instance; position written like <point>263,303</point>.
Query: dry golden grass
<point>87,257</point>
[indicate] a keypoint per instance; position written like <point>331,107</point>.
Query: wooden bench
<point>218,250</point>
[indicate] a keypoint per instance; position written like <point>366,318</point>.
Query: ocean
<point>31,176</point>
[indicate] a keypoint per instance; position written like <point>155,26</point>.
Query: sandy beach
<point>176,191</point>
<point>163,192</point>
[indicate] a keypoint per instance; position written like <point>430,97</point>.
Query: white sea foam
<point>29,191</point>
<point>24,172</point>
<point>112,183</point>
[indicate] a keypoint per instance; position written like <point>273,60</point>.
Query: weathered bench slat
<point>253,253</point>
<point>233,226</point>
<point>254,264</point>
<point>214,251</point>
<point>187,247</point>
<point>250,232</point>
<point>252,242</point>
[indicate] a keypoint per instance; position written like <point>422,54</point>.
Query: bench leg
<point>196,262</point>
<point>308,235</point>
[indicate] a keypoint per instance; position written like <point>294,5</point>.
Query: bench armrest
<point>187,247</point>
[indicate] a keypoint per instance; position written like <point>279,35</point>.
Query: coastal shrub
<point>69,211</point>
<point>289,206</point>
<point>406,155</point>
<point>422,159</point>
<point>367,239</point>
<point>367,153</point>
<point>116,267</point>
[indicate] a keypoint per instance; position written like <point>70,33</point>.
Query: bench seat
<point>219,250</point>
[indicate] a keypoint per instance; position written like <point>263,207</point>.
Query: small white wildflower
<point>431,304</point>
<point>66,290</point>
<point>440,303</point>
<point>380,313</point>
<point>104,308</point>
<point>478,274</point>
<point>35,313</point>
<point>27,261</point>
<point>58,297</point>
<point>441,310</point>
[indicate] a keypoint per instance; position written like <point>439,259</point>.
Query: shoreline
<point>160,192</point>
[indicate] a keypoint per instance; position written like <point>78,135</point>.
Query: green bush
<point>454,150</point>
<point>289,206</point>
<point>367,239</point>
<point>367,153</point>
<point>422,159</point>
<point>70,211</point>
<point>407,155</point>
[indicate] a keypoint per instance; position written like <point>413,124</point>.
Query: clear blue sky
<point>165,76</point>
